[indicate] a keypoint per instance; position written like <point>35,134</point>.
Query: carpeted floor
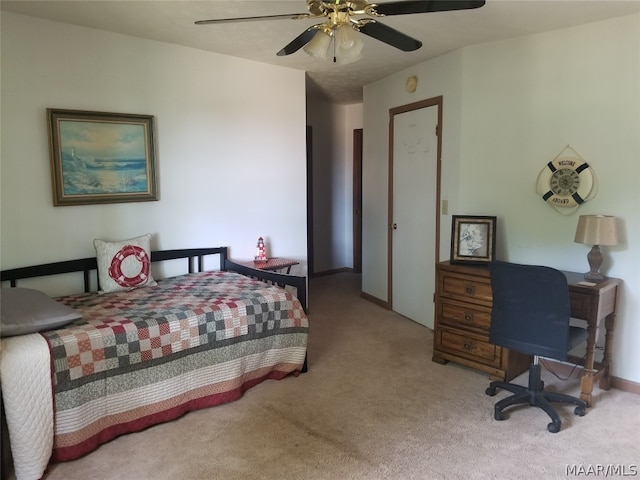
<point>372,406</point>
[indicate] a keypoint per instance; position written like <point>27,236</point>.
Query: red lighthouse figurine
<point>261,255</point>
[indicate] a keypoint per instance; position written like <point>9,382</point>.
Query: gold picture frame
<point>101,157</point>
<point>473,239</point>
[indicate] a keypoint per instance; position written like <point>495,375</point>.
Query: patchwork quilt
<point>149,355</point>
<point>200,310</point>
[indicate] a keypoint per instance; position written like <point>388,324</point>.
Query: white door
<point>414,207</point>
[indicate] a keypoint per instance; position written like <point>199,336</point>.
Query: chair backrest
<point>531,310</point>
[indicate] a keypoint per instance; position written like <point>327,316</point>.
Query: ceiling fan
<point>340,27</point>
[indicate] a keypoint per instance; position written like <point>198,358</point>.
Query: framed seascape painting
<point>100,157</point>
<point>473,239</point>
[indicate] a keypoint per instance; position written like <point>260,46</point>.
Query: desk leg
<point>605,381</point>
<point>586,382</point>
<point>586,387</point>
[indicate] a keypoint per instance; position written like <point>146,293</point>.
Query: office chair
<point>531,314</point>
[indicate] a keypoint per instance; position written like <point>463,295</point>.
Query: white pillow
<point>124,265</point>
<point>25,310</point>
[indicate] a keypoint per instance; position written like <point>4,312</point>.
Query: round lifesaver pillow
<point>124,264</point>
<point>140,257</point>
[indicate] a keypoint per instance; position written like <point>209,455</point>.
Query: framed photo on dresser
<point>473,239</point>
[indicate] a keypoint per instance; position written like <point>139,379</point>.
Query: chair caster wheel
<point>553,427</point>
<point>579,411</point>
<point>498,415</point>
<point>490,391</point>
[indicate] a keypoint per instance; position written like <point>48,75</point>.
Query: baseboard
<point>616,382</point>
<point>376,300</point>
<point>625,385</point>
<point>331,272</point>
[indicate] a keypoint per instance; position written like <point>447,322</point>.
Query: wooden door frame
<point>357,200</point>
<point>430,102</point>
<point>310,248</point>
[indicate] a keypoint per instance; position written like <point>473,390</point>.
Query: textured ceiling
<point>442,32</point>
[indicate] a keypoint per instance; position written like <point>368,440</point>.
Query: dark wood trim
<point>390,213</point>
<point>357,200</point>
<point>331,272</point>
<point>310,248</point>
<point>376,300</point>
<point>625,385</point>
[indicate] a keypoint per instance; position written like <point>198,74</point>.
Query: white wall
<point>524,101</point>
<point>332,147</point>
<point>513,106</point>
<point>231,155</point>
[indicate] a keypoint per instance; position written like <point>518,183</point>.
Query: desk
<point>272,264</point>
<point>463,314</point>
<point>594,304</point>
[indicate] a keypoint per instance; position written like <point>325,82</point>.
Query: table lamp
<point>596,230</point>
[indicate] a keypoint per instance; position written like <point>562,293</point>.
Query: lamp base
<point>595,260</point>
<point>594,276</point>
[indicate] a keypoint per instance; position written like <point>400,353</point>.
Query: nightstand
<point>273,264</point>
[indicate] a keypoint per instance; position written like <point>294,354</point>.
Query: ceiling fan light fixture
<point>348,45</point>
<point>321,40</point>
<point>347,37</point>
<point>319,45</point>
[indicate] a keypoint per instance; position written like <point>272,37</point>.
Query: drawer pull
<point>470,289</point>
<point>468,316</point>
<point>467,346</point>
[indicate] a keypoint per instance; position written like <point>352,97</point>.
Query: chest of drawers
<point>462,318</point>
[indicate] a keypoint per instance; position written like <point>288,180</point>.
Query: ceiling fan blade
<point>390,36</point>
<point>425,6</point>
<point>298,42</point>
<point>290,16</point>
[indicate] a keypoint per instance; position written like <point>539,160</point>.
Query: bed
<point>145,356</point>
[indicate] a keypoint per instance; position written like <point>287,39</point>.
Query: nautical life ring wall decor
<point>566,181</point>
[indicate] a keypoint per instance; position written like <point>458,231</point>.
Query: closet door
<point>414,199</point>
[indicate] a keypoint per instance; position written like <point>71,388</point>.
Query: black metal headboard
<point>87,265</point>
